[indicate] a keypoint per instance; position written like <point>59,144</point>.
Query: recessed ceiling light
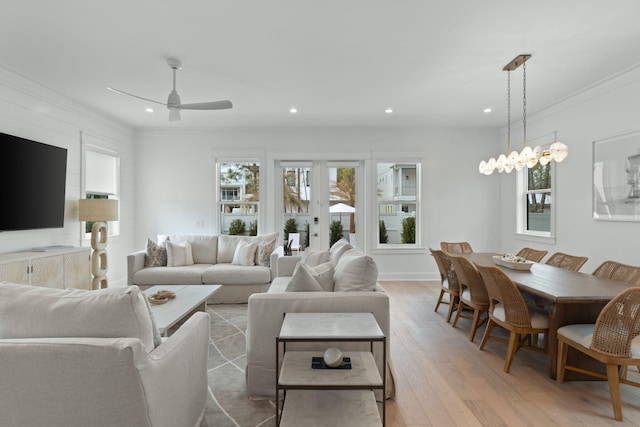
<point>389,110</point>
<point>293,110</point>
<point>487,110</point>
<point>149,110</point>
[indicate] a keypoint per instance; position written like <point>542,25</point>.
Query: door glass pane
<point>239,198</point>
<point>342,204</point>
<point>297,197</point>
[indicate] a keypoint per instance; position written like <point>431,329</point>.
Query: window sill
<point>536,238</point>
<point>397,249</point>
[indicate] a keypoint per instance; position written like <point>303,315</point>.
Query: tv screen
<point>33,177</point>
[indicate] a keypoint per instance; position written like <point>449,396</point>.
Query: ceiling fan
<point>173,101</point>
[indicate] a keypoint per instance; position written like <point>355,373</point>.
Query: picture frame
<point>616,178</point>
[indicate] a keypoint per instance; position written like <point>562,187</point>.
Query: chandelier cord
<point>508,112</point>
<point>524,102</point>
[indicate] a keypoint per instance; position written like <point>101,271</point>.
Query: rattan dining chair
<point>531,254</point>
<point>456,247</point>
<point>609,340</point>
<point>566,261</point>
<point>448,282</point>
<point>473,294</point>
<point>618,271</point>
<point>509,310</point>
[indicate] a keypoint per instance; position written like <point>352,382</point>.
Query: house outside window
<point>238,197</point>
<point>398,189</point>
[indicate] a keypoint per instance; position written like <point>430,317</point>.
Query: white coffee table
<point>188,300</point>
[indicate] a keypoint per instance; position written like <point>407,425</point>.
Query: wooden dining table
<point>571,297</point>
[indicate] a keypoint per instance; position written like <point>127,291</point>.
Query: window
<point>535,200</point>
<point>398,189</point>
<point>238,197</point>
<point>101,180</point>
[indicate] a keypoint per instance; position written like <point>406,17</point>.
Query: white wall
<point>176,181</point>
<point>609,109</point>
<point>32,111</point>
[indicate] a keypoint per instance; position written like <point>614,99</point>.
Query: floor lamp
<point>98,210</point>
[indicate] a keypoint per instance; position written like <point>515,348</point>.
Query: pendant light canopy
<point>528,157</point>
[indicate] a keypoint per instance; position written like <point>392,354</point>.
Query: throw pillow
<point>323,274</point>
<point>303,280</point>
<point>245,253</point>
<point>155,255</point>
<point>339,248</point>
<point>264,251</point>
<point>313,258</point>
<point>39,312</point>
<point>355,273</point>
<point>178,254</point>
<point>227,247</point>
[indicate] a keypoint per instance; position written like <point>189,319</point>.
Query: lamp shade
<point>98,210</point>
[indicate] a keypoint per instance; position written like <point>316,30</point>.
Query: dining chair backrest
<point>618,271</point>
<point>566,261</point>
<point>470,278</point>
<point>445,268</point>
<point>501,289</point>
<point>618,324</point>
<point>456,247</point>
<point>531,254</point>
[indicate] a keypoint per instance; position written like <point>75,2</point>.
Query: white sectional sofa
<point>215,259</point>
<point>352,288</point>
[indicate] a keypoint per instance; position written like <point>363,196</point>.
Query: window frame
<point>416,200</point>
<point>522,192</point>
<point>257,206</point>
<point>113,227</point>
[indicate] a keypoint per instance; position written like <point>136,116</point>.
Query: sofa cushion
<point>39,312</point>
<point>355,272</point>
<point>203,247</point>
<point>245,253</point>
<point>230,274</point>
<point>227,247</point>
<point>312,257</point>
<point>303,280</point>
<point>187,275</point>
<point>178,254</point>
<point>155,254</point>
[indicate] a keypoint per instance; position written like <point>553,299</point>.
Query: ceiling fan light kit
<point>528,157</point>
<point>174,104</point>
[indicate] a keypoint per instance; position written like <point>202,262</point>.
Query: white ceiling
<point>339,62</point>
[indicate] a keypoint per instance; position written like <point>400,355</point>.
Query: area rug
<point>228,404</point>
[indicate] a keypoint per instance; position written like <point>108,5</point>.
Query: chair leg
<point>439,299</point>
<point>614,387</point>
<point>453,303</point>
<point>514,339</point>
<point>458,312</point>
<point>475,323</point>
<point>562,360</point>
<point>487,333</point>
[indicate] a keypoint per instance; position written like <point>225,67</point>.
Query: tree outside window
<point>239,195</point>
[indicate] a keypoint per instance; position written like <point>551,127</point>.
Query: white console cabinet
<point>55,268</point>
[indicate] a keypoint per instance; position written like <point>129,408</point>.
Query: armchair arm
<point>286,264</point>
<point>135,262</point>
<point>176,372</point>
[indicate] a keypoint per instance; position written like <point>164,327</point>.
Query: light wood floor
<point>442,379</point>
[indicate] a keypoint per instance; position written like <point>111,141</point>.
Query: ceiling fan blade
<point>135,96</point>
<point>214,105</point>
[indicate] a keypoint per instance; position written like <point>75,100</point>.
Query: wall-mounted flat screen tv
<point>33,178</point>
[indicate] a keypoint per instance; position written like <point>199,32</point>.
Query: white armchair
<point>82,381</point>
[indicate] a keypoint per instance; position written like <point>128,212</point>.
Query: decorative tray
<point>318,363</point>
<point>513,262</point>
